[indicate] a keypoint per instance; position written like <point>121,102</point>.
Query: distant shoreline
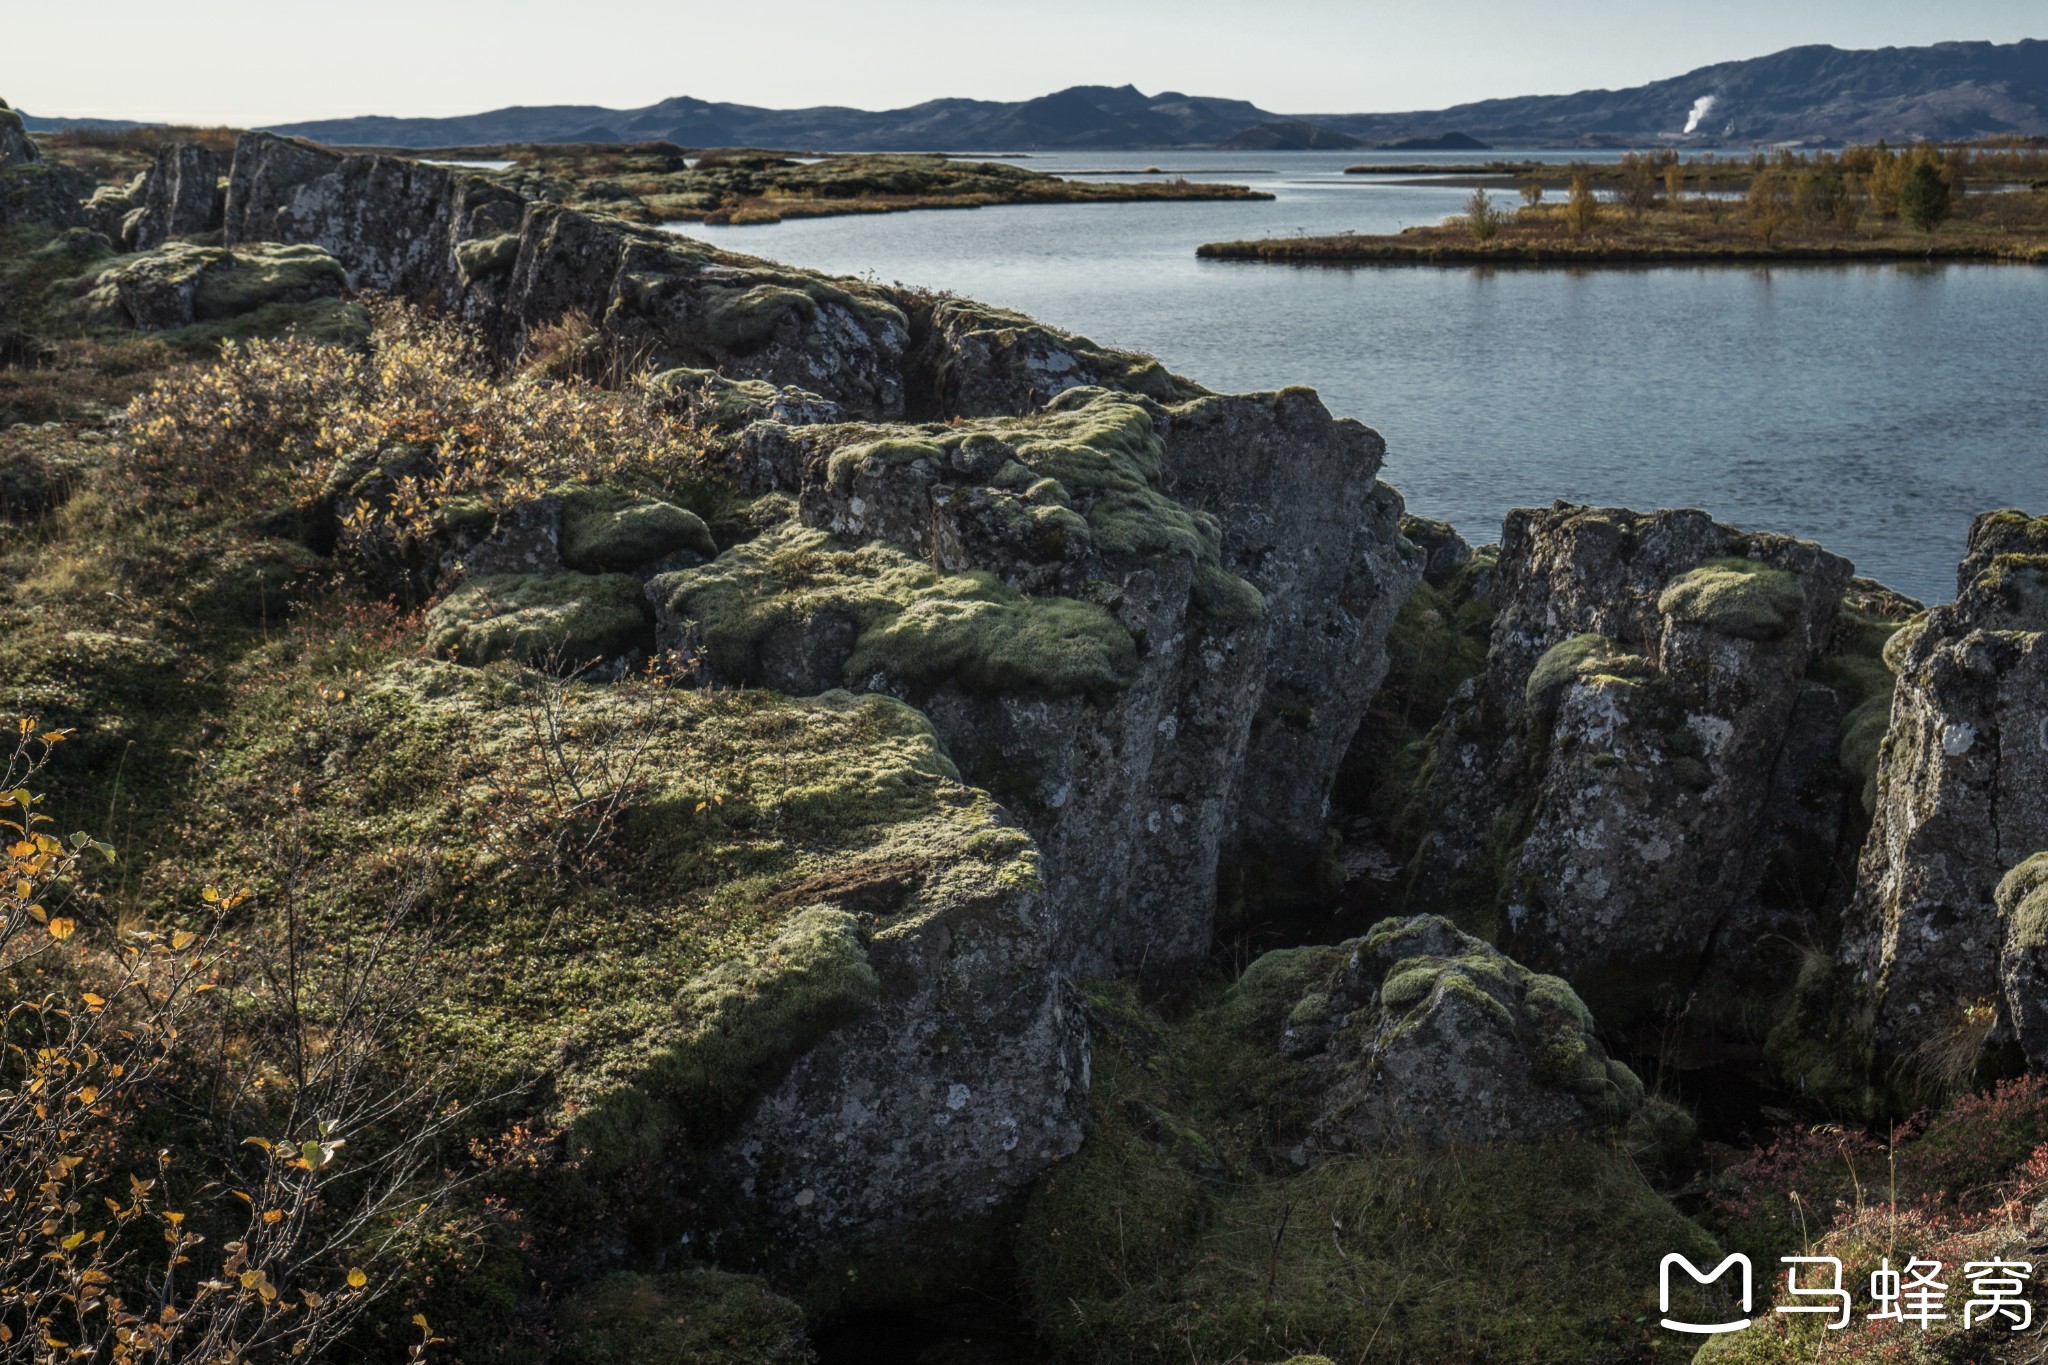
<point>1366,250</point>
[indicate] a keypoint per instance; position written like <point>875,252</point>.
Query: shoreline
<point>1374,250</point>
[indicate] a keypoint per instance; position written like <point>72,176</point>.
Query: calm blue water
<point>1871,408</point>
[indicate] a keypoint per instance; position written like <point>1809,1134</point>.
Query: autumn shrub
<point>397,440</point>
<point>205,1154</point>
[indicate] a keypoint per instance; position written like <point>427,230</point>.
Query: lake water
<point>1872,408</point>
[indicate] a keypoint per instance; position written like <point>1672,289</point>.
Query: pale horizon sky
<point>210,61</point>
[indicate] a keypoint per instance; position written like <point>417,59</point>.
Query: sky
<point>228,61</point>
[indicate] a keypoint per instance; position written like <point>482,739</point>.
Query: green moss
<point>1579,659</point>
<point>906,619</point>
<point>530,617</point>
<point>1737,597</point>
<point>2022,898</point>
<point>264,273</point>
<point>604,529</point>
<point>684,1317</point>
<point>482,257</point>
<point>749,1018</point>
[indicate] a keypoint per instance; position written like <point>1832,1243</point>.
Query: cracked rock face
<point>1642,744</point>
<point>1959,805</point>
<point>180,194</point>
<point>1417,1034</point>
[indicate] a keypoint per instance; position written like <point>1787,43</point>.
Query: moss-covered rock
<point>573,618</point>
<point>794,606</point>
<point>1582,658</point>
<point>721,404</point>
<point>1641,793</point>
<point>982,361</point>
<point>604,530</point>
<point>1926,954</point>
<point>482,258</point>
<point>1745,598</point>
<point>683,928</point>
<point>256,287</point>
<point>681,1317</point>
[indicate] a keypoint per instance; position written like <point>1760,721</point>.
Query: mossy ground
<point>1185,1231</point>
<point>685,1317</point>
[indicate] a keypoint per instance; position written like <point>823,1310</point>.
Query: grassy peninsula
<point>1866,203</point>
<point>660,182</point>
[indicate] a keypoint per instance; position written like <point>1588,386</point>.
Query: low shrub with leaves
<point>421,425</point>
<point>134,1227</point>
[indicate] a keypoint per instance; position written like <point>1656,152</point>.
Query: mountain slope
<point>1947,91</point>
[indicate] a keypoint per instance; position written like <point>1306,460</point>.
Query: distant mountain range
<point>1807,94</point>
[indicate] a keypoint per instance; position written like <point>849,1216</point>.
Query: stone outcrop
<point>978,361</point>
<point>1417,1034</point>
<point>1103,658</point>
<point>476,248</point>
<point>181,195</point>
<point>16,146</point>
<point>1644,748</point>
<point>1959,803</point>
<point>43,194</point>
<point>180,284</point>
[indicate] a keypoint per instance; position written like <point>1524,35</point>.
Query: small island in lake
<point>659,182</point>
<point>1983,202</point>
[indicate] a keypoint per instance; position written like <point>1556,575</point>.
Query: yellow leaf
<point>60,929</point>
<point>88,1094</point>
<point>74,1241</point>
<point>181,940</point>
<point>357,1279</point>
<point>419,1320</point>
<point>93,1001</point>
<point>273,1216</point>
